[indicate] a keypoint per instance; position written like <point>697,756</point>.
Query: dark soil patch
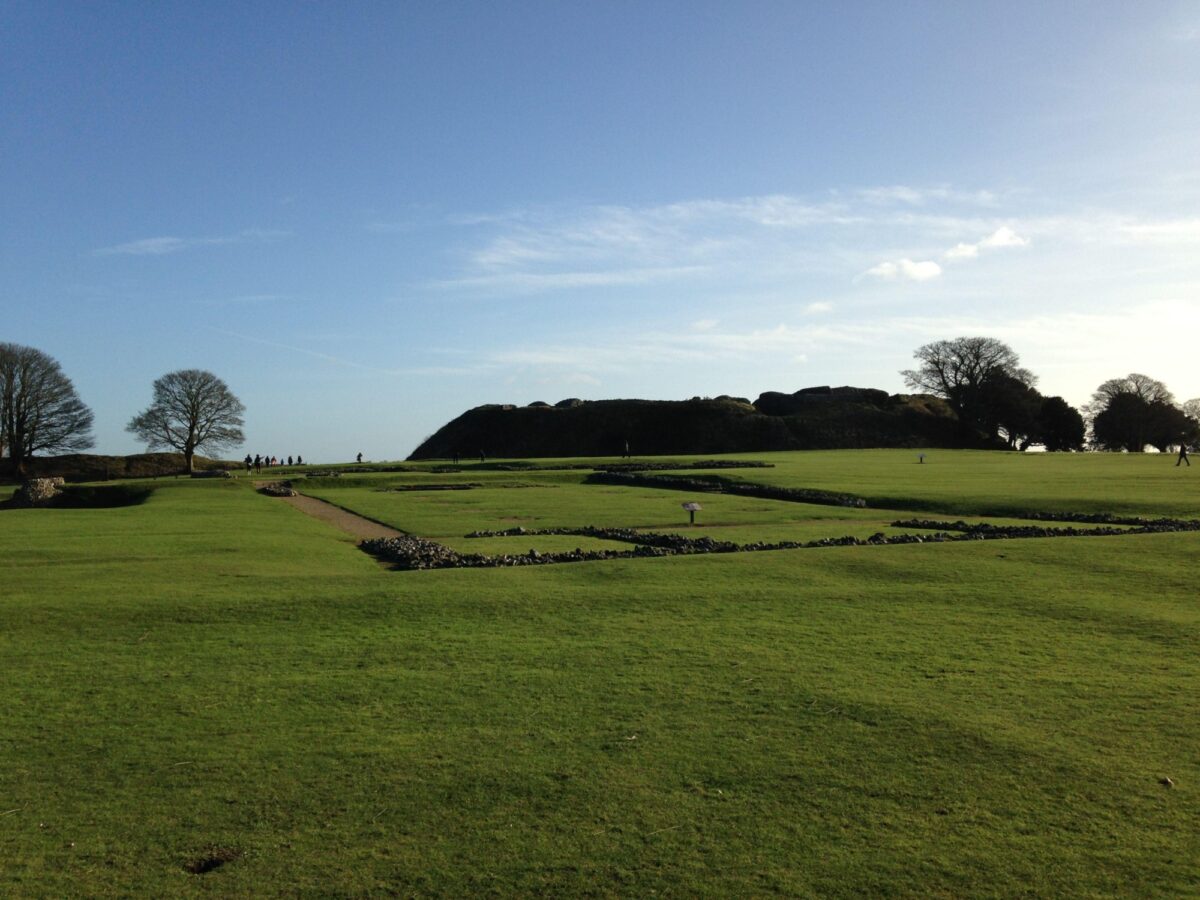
<point>212,858</point>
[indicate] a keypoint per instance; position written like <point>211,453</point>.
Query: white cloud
<point>705,324</point>
<point>160,246</point>
<point>1003,237</point>
<point>962,251</point>
<point>817,307</point>
<point>905,269</point>
<point>1171,230</point>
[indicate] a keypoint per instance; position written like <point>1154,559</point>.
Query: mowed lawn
<point>214,676</point>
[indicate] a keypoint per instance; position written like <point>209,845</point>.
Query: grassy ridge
<point>213,669</point>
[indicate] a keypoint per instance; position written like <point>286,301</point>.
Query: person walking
<point>1183,456</point>
<point>359,457</point>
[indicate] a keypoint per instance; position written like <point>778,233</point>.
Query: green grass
<point>992,482</point>
<point>214,669</point>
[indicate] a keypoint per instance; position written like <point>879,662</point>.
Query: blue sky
<point>367,218</point>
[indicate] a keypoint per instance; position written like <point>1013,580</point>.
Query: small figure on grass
<point>249,463</point>
<point>1183,456</point>
<point>359,457</point>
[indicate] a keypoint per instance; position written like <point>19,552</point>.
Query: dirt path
<point>339,518</point>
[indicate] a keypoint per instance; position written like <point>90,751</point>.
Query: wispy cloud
<point>345,363</point>
<point>251,299</point>
<point>532,282</point>
<point>1073,350</point>
<point>920,196</point>
<point>658,348</point>
<point>1173,230</point>
<point>160,246</point>
<point>769,244</point>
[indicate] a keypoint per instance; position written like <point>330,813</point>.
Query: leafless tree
<point>1151,390</point>
<point>959,371</point>
<point>191,410</point>
<point>40,412</point>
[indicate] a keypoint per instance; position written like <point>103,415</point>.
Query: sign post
<point>692,509</point>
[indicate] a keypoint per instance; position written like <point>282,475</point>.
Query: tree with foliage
<point>1010,408</point>
<point>1059,425</point>
<point>975,375</point>
<point>40,412</point>
<point>191,410</point>
<point>1132,412</point>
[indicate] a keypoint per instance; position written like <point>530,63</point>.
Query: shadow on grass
<point>93,497</point>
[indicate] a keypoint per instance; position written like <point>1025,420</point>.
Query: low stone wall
<point>418,553</point>
<point>277,489</point>
<point>37,492</point>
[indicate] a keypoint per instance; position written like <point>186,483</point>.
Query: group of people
<point>259,461</point>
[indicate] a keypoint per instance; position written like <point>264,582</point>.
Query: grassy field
<point>214,677</point>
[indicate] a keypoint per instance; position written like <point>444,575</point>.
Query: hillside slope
<point>814,418</point>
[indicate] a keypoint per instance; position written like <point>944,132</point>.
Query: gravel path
<point>349,522</point>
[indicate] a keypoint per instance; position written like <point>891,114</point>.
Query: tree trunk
<point>17,453</point>
<point>189,454</point>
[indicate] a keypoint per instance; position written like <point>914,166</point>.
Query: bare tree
<point>40,412</point>
<point>191,410</point>
<point>1145,388</point>
<point>960,370</point>
<point>1191,409</point>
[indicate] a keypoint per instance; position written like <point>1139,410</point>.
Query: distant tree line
<point>41,413</point>
<point>982,380</point>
